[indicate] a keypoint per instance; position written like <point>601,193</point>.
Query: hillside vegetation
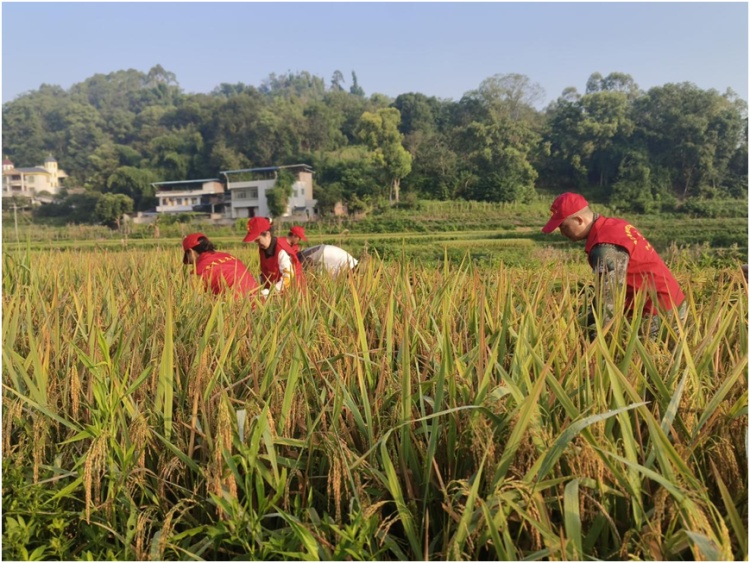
<point>641,151</point>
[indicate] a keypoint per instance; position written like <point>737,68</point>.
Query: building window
<point>30,179</point>
<point>253,193</point>
<point>240,194</point>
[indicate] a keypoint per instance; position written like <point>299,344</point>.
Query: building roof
<point>267,169</point>
<point>185,182</point>
<point>34,170</point>
<point>6,160</point>
<point>50,158</point>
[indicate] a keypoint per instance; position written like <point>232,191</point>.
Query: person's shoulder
<point>284,245</point>
<point>205,257</point>
<point>312,249</point>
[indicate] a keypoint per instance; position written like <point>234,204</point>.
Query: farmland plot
<point>405,412</point>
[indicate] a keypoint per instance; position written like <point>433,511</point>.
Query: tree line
<point>643,151</point>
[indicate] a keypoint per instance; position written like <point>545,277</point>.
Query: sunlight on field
<point>405,412</point>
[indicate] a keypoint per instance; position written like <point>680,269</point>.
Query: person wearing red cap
<point>296,234</point>
<point>220,271</point>
<point>279,265</point>
<point>618,254</point>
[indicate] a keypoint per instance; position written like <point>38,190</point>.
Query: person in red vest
<point>220,271</point>
<point>296,234</point>
<point>618,254</point>
<point>279,266</point>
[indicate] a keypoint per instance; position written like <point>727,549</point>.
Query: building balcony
<point>247,202</point>
<point>17,190</point>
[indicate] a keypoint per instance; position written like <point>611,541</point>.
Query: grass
<point>443,411</point>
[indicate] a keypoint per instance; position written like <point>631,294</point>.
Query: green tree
<point>327,197</point>
<point>379,132</point>
<point>496,130</point>
<point>74,208</point>
<point>434,162</point>
<point>639,188</point>
<point>105,160</point>
<point>323,127</point>
<point>278,196</point>
<point>587,136</point>
<point>134,183</point>
<point>110,209</point>
<point>603,131</point>
<point>348,109</point>
<point>691,132</point>
<point>350,168</point>
<point>336,80</point>
<point>226,90</point>
<point>300,85</point>
<point>224,158</point>
<point>356,89</point>
<point>176,155</point>
<point>25,133</point>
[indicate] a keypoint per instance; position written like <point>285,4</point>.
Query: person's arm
<point>610,265</point>
<point>287,271</point>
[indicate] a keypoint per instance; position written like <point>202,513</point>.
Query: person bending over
<point>218,270</point>
<point>279,266</point>
<point>328,258</point>
<point>619,255</point>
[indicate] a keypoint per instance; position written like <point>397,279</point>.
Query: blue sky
<point>438,49</point>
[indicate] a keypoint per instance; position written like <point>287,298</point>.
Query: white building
<point>183,196</point>
<point>31,182</point>
<point>248,189</point>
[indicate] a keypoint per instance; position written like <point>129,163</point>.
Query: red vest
<point>646,270</point>
<point>220,271</point>
<point>270,273</point>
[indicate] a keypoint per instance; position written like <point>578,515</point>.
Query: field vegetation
<point>415,410</point>
<point>490,232</point>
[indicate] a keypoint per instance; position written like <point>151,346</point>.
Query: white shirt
<point>326,256</point>
<point>286,269</point>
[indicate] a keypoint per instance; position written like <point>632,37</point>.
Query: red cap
<point>298,231</point>
<point>191,241</point>
<point>563,207</point>
<point>255,226</point>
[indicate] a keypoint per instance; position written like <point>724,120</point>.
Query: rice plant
<point>403,412</point>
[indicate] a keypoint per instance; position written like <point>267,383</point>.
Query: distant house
<point>190,195</point>
<point>248,189</point>
<point>31,182</point>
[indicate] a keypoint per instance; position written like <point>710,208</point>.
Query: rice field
<point>409,412</point>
